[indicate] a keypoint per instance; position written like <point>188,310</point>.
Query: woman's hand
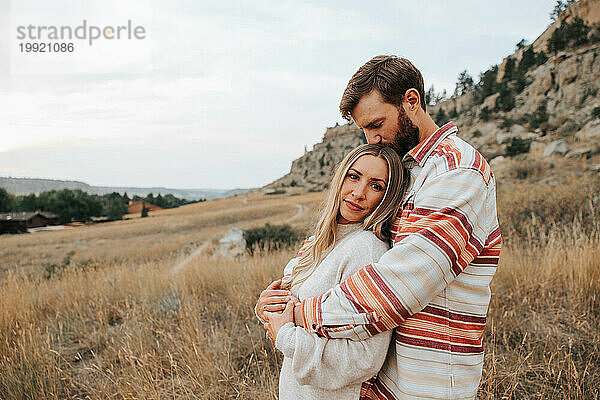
<point>272,299</point>
<point>276,320</point>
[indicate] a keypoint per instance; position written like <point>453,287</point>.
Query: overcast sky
<point>219,94</point>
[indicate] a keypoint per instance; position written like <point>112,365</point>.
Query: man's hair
<point>392,76</point>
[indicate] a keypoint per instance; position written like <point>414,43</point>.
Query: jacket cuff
<point>311,314</point>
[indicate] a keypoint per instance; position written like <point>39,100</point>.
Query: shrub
<point>276,191</point>
<point>596,112</point>
<point>507,123</point>
<point>517,146</point>
<point>485,114</point>
<point>539,116</point>
<point>575,33</point>
<point>270,237</point>
<point>505,100</point>
<point>57,269</point>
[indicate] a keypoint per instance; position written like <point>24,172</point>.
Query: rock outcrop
<point>313,171</point>
<point>552,110</point>
<point>232,244</point>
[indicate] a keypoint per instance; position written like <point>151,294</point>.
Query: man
<point>432,286</point>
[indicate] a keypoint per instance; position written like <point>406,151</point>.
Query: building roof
<point>25,216</point>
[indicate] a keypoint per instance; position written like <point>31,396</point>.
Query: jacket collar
<point>423,150</point>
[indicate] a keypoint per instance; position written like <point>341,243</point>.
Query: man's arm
<point>437,238</point>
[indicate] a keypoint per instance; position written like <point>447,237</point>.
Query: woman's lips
<point>353,206</point>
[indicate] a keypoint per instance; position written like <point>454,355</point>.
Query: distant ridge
<point>21,186</point>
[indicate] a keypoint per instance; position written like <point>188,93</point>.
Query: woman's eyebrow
<point>377,179</point>
<point>355,170</point>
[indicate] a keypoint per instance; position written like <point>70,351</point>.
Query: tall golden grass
<point>117,324</point>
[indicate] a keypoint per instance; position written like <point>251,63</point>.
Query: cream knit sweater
<point>315,367</point>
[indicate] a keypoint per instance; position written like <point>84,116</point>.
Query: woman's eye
<point>377,187</point>
<point>352,176</point>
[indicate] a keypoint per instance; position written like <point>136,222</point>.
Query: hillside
<point>527,110</point>
<point>22,186</point>
<point>540,106</point>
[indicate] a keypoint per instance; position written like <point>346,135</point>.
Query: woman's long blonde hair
<point>379,221</point>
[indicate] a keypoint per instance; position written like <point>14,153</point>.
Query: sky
<point>218,94</point>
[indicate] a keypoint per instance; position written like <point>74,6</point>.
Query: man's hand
<point>272,299</point>
<point>276,320</point>
<point>298,315</point>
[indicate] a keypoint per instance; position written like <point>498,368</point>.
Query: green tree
<point>485,114</point>
<point>464,83</point>
<point>517,146</point>
<point>113,206</point>
<point>528,60</point>
<point>505,100</point>
<point>575,33</point>
<point>71,205</point>
<point>559,7</point>
<point>144,210</point>
<point>522,43</point>
<point>440,117</point>
<point>486,85</point>
<point>541,57</point>
<point>6,201</point>
<point>539,116</point>
<point>28,202</point>
<point>429,96</point>
<point>509,69</point>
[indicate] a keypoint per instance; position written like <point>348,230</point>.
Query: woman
<point>353,231</point>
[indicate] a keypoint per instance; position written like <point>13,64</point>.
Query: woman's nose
<point>359,191</point>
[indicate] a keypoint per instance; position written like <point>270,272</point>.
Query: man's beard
<point>407,136</point>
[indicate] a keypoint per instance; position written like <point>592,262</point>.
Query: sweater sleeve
<point>334,363</point>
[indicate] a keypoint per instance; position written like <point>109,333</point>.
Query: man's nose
<point>372,138</point>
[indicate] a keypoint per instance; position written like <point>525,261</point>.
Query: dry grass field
<point>96,313</point>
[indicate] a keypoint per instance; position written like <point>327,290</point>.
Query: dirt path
<point>176,268</point>
<point>300,209</point>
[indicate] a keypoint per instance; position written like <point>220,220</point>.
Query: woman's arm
<point>335,363</point>
<point>331,363</point>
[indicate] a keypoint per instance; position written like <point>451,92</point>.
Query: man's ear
<point>412,100</point>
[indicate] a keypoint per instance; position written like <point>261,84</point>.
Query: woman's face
<point>362,188</point>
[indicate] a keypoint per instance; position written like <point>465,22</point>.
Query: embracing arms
<point>444,226</point>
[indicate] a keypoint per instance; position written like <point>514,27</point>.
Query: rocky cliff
<point>313,171</point>
<point>545,111</point>
<point>540,104</point>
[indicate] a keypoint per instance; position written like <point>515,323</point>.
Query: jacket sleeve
<point>334,363</point>
<point>441,230</point>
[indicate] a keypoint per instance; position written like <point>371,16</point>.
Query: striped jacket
<point>432,286</point>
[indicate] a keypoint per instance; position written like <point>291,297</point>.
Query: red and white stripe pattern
<point>432,286</point>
